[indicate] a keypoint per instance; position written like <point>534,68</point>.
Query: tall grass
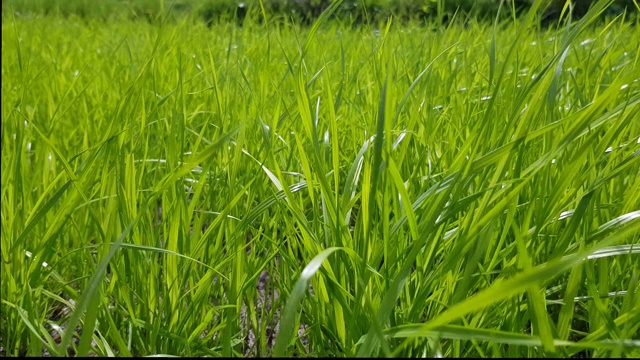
<point>393,190</point>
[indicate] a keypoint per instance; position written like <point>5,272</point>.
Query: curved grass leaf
<point>290,312</point>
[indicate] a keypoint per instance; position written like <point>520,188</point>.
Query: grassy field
<point>271,189</point>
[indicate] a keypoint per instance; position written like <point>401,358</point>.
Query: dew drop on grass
<point>587,41</point>
<point>565,214</point>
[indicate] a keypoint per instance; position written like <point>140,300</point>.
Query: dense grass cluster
<point>273,189</point>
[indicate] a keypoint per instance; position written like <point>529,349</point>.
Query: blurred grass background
<point>305,11</point>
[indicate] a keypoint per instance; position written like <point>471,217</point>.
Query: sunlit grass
<point>414,191</point>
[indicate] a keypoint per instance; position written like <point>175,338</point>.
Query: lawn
<point>268,188</point>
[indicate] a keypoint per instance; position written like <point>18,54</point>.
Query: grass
<point>271,189</point>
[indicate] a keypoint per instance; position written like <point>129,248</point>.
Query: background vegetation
<point>304,10</point>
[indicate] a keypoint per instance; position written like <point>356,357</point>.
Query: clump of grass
<point>269,189</point>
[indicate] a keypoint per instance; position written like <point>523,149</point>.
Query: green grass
<point>410,191</point>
